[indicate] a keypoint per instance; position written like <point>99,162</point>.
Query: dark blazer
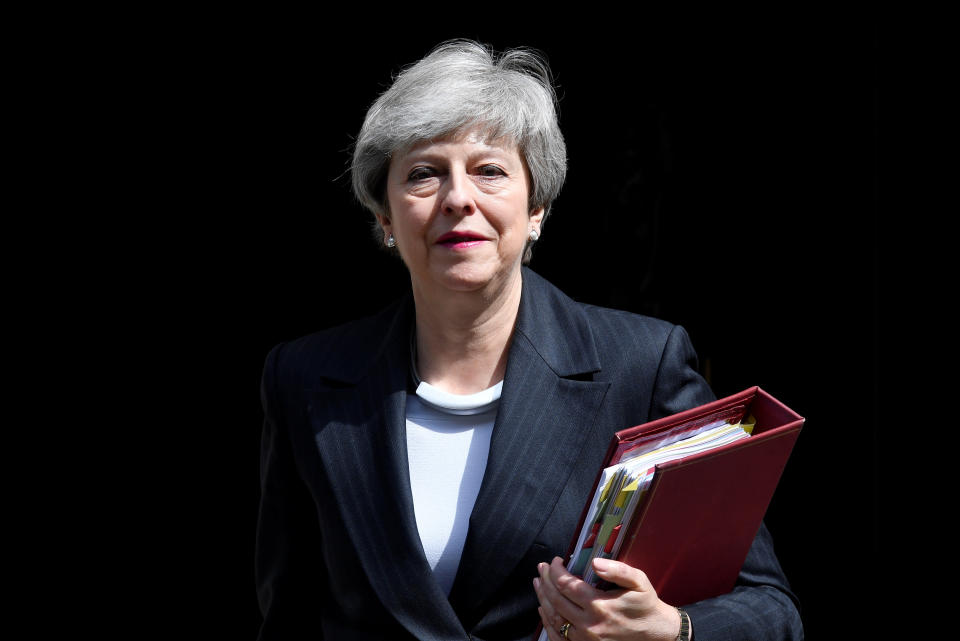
<point>338,553</point>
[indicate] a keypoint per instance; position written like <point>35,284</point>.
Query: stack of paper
<point>623,486</point>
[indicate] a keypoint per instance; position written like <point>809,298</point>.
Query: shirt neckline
<point>460,403</point>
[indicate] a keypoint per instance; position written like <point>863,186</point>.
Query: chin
<point>466,278</point>
<point>463,283</point>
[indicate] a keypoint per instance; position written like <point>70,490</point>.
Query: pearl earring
<point>534,236</point>
<point>391,241</point>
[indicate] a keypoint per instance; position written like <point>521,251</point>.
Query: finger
<point>547,624</point>
<point>571,587</point>
<point>550,599</point>
<point>554,634</point>
<point>546,606</point>
<point>559,606</point>
<point>622,574</point>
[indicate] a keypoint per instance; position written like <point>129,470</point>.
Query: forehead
<point>470,142</point>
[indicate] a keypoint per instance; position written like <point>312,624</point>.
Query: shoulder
<point>617,325</point>
<point>548,295</point>
<point>647,360</point>
<point>575,337</point>
<point>627,340</point>
<point>339,353</point>
<point>616,334</point>
<point>638,353</point>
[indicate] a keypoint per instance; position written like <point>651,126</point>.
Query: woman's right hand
<point>633,612</point>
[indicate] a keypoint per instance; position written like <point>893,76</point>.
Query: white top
<point>448,441</point>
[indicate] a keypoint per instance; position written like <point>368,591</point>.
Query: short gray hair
<point>459,86</point>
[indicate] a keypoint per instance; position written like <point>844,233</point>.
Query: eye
<point>490,171</point>
<point>420,173</point>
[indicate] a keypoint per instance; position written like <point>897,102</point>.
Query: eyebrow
<point>431,156</point>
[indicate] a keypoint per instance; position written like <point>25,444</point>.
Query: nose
<point>458,196</point>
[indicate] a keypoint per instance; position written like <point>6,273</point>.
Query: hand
<point>634,612</point>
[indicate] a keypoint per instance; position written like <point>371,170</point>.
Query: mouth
<point>460,239</point>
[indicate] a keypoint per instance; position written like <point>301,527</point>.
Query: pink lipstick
<point>460,239</point>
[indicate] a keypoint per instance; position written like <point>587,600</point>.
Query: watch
<point>684,626</point>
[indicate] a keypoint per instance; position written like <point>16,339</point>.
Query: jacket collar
<point>553,325</point>
<point>545,410</point>
<point>540,426</point>
<point>556,328</point>
<point>359,428</point>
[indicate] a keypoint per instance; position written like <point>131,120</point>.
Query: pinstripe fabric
<point>338,554</point>
<point>509,512</point>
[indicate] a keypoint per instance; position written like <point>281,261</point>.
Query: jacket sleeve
<point>761,606</point>
<point>288,563</point>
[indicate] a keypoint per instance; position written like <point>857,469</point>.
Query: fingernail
<point>601,564</point>
<point>536,584</point>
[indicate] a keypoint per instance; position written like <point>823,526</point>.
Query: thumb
<point>622,574</point>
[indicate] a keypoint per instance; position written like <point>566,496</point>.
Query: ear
<point>536,218</point>
<point>385,225</point>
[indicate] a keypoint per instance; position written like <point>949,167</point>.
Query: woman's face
<point>459,213</point>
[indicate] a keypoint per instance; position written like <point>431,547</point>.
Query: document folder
<point>692,530</point>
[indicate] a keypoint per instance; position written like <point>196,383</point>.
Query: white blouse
<point>448,441</point>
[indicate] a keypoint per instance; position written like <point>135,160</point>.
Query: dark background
<point>722,175</point>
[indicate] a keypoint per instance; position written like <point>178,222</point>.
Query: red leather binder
<point>692,531</point>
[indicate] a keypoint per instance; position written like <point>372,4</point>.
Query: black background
<point>722,175</point>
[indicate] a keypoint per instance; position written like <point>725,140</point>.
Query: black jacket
<point>338,553</point>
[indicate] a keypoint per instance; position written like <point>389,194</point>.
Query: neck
<point>463,338</point>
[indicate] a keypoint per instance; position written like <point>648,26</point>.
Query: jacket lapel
<point>542,423</point>
<point>541,427</point>
<point>361,437</point>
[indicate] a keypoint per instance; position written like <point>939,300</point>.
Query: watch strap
<point>684,626</point>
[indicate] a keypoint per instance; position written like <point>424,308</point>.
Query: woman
<point>424,469</point>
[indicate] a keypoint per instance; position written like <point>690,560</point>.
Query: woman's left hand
<point>634,612</point>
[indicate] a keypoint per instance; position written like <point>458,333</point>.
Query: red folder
<point>692,531</point>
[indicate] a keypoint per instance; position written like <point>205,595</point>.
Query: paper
<point>623,486</point>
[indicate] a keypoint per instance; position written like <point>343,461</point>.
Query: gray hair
<point>459,86</point>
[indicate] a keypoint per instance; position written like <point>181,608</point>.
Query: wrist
<point>668,623</point>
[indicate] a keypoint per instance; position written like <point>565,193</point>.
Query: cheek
<point>410,226</point>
